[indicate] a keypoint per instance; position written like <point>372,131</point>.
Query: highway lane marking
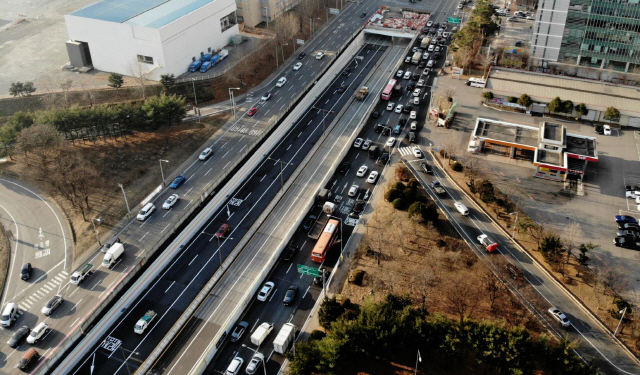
<point>263,177</point>
<point>170,286</point>
<point>108,287</point>
<point>74,322</point>
<point>165,214</point>
<point>245,134</point>
<point>327,102</point>
<point>273,294</point>
<point>299,135</point>
<point>189,191</point>
<point>143,236</point>
<point>96,284</point>
<point>225,166</point>
<point>306,291</point>
<point>208,171</point>
<point>282,106</point>
<point>76,304</point>
<point>289,269</point>
<point>192,260</point>
<point>286,150</point>
<point>254,325</point>
<point>225,154</point>
<point>165,228</point>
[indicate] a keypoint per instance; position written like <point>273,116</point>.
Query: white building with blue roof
<point>149,37</point>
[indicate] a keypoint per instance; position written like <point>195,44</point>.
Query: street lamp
<point>161,171</point>
<point>99,220</point>
<point>324,116</point>
<point>125,199</point>
<point>233,99</point>
<point>513,234</point>
<point>264,365</point>
<point>281,170</point>
<point>623,311</point>
<point>282,50</point>
<point>220,250</point>
<point>266,14</point>
<point>193,83</point>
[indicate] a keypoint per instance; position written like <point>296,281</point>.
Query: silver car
<point>52,305</point>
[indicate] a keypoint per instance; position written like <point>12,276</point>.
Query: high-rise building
<point>253,12</point>
<point>593,33</point>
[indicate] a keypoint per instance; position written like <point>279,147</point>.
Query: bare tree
<point>572,235</point>
<point>140,73</point>
<point>41,141</point>
<point>612,280</point>
<point>462,296</point>
<point>66,86</point>
<point>75,179</point>
<point>286,27</point>
<point>485,61</point>
<point>492,286</point>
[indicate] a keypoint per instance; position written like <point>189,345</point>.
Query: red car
<point>252,111</point>
<point>222,232</point>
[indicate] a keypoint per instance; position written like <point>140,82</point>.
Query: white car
<point>400,73</point>
<point>413,115</point>
<point>461,208</point>
<point>266,96</point>
<point>606,129</point>
<point>430,48</point>
<point>390,106</point>
<point>254,363</point>
<point>407,59</point>
<point>633,194</point>
<point>407,75</point>
<point>297,66</point>
<point>373,176</point>
<point>417,92</point>
<point>446,34</point>
<point>416,151</point>
<point>414,125</point>
<point>266,290</point>
<point>390,142</point>
<point>559,316</point>
<point>37,333</point>
<point>357,143</point>
<point>366,144</point>
<point>429,23</point>
<point>353,190</point>
<point>204,155</point>
<point>437,49</point>
<point>319,55</point>
<point>170,202</point>
<point>362,171</point>
<point>399,108</point>
<point>235,366</point>
<point>420,83</point>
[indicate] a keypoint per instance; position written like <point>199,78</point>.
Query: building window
<point>228,21</point>
<point>145,59</point>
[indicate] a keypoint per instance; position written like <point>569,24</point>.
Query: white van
<point>281,82</point>
<point>146,211</point>
<point>464,211</point>
<point>476,82</point>
<point>9,314</point>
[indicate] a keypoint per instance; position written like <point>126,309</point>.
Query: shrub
<point>409,195</point>
<point>392,194</point>
<point>612,114</point>
<point>330,311</point>
<point>399,204</point>
<point>525,100</point>
<point>582,109</point>
<point>457,166</point>
<point>512,99</point>
<point>399,186</point>
<point>413,184</point>
<point>317,334</point>
<point>488,95</point>
<point>487,192</point>
<point>422,199</point>
<point>356,278</point>
<point>555,105</point>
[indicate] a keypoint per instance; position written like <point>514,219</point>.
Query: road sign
<point>456,72</point>
<point>300,42</point>
<point>306,270</point>
<point>334,11</point>
<point>453,20</point>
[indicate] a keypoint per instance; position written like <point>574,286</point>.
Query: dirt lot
<point>132,162</point>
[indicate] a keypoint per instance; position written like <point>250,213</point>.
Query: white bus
<point>476,82</point>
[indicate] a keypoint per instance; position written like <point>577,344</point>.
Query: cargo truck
<point>113,254</point>
<point>323,196</point>
<point>195,66</point>
<point>144,322</point>
<point>215,59</point>
<point>362,93</point>
<point>416,58</point>
<point>222,54</point>
<point>285,338</point>
<point>318,227</point>
<point>78,276</point>
<point>374,151</point>
<point>205,66</point>
<point>261,333</point>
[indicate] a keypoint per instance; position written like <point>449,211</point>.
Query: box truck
<point>285,337</point>
<point>113,254</point>
<point>261,333</point>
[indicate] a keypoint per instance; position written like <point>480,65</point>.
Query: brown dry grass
<point>5,250</point>
<point>132,162</point>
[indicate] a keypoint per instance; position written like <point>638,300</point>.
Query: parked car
<point>266,290</point>
<point>239,329</point>
<point>626,242</point>
<point>559,316</point>
<point>179,180</point>
<point>223,231</point>
<point>625,219</point>
<point>628,226</point>
<point>38,333</point>
<point>170,202</point>
<point>606,129</point>
<point>599,129</point>
<point>290,295</point>
<point>18,335</point>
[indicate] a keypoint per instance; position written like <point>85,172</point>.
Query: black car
<point>432,30</point>
<point>358,207</point>
<point>518,44</point>
<point>435,25</point>
<point>629,233</point>
<point>411,86</point>
<point>18,335</point>
<point>378,128</point>
<point>415,77</point>
<point>318,280</point>
<point>629,243</point>
<point>384,158</point>
<point>363,15</point>
<point>375,114</point>
<point>436,55</point>
<point>426,168</point>
<point>386,130</point>
<point>599,129</point>
<point>341,88</point>
<point>344,167</point>
<point>346,72</point>
<point>407,108</point>
<point>289,252</point>
<point>290,295</point>
<point>403,121</point>
<point>25,273</point>
<point>422,64</point>
<point>628,226</point>
<point>238,331</point>
<point>301,55</point>
<point>308,223</point>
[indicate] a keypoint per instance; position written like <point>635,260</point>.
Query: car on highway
<point>239,329</point>
<point>266,96</point>
<point>235,366</point>
<point>223,231</point>
<point>358,207</point>
<point>363,15</point>
<point>407,75</point>
<point>170,202</point>
<point>25,272</point>
<point>426,168</point>
<point>375,114</point>
<point>386,130</point>
<point>390,106</point>
<point>413,115</point>
<point>266,290</point>
<point>487,242</point>
<point>318,280</point>
<point>559,316</point>
<point>417,92</point>
<point>290,295</point>
<point>446,34</point>
<point>399,73</point>
<point>625,219</point>
<point>421,83</point>
<point>53,304</point>
<point>252,111</point>
<point>38,333</point>
<point>254,363</point>
<point>344,167</point>
<point>204,155</point>
<point>353,190</point>
<point>399,108</point>
<point>308,223</point>
<point>416,151</point>
<point>626,242</point>
<point>362,171</point>
<point>290,252</point>
<point>422,64</point>
<point>358,143</point>
<point>373,176</point>
<point>390,142</point>
<point>384,158</point>
<point>366,145</point>
<point>464,211</point>
<point>430,48</point>
<point>319,55</point>
<point>301,55</point>
<point>281,82</point>
<point>406,109</point>
<point>414,125</point>
<point>18,335</point>
<point>146,211</point>
<point>378,128</point>
<point>407,59</point>
<point>179,180</point>
<point>415,76</point>
<point>606,130</point>
<point>342,88</point>
<point>297,66</point>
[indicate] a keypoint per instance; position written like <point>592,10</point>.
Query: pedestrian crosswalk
<point>50,287</point>
<point>405,151</point>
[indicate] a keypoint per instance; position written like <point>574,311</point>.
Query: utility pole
<point>324,116</point>
<point>233,99</point>
<point>281,170</point>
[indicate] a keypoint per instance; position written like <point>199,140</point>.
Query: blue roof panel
<point>117,10</point>
<point>168,12</point>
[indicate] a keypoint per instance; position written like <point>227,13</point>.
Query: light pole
<point>233,99</point>
<point>220,250</point>
<point>623,311</point>
<point>95,230</point>
<point>193,83</point>
<point>266,14</point>
<point>513,234</point>
<point>282,50</point>
<point>418,359</point>
<point>264,365</point>
<point>161,171</point>
<point>125,199</point>
<point>281,170</point>
<point>324,116</point>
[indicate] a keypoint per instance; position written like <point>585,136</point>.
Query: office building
<point>253,12</point>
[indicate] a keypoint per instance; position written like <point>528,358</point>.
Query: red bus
<point>386,93</point>
<point>328,237</point>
